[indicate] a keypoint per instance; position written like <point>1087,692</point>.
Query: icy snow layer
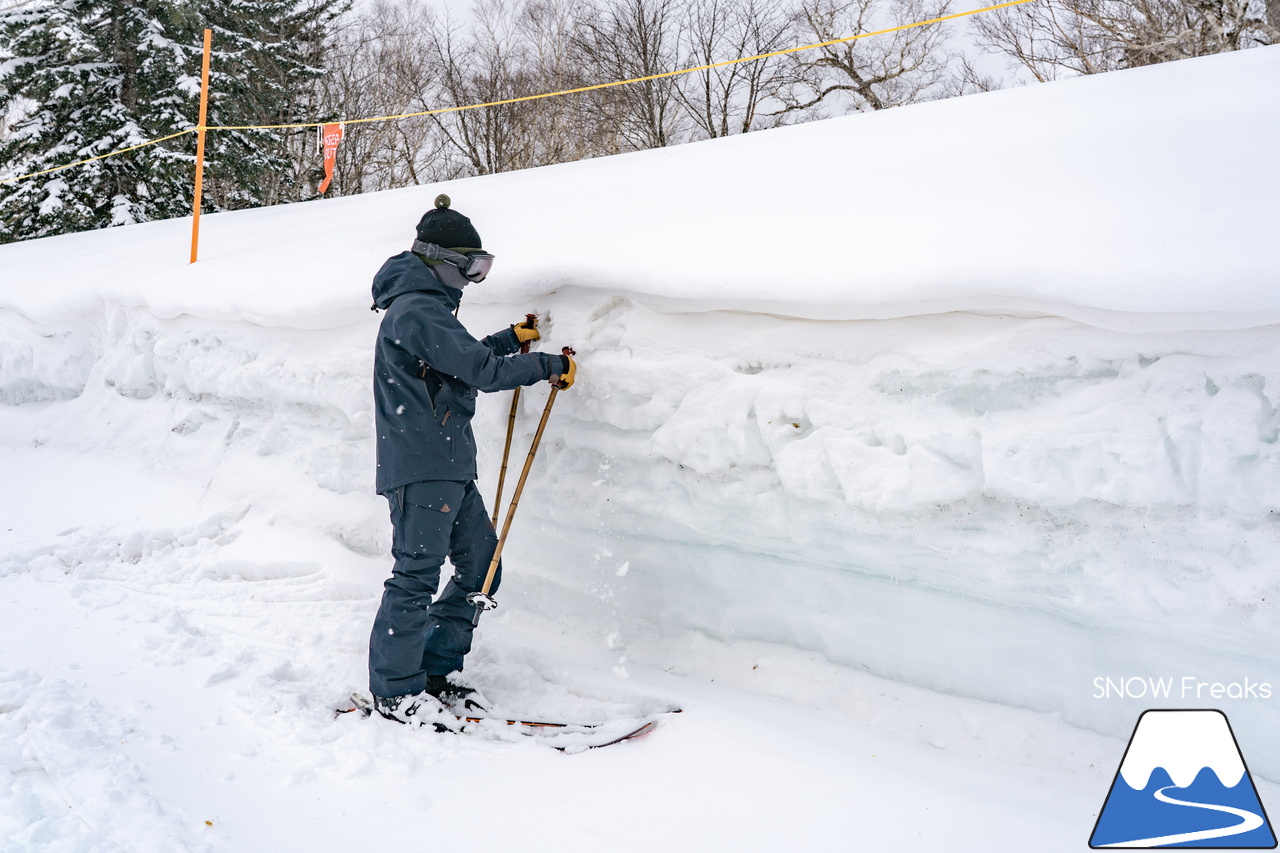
<point>985,505</point>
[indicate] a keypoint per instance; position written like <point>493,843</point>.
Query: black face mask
<point>474,266</point>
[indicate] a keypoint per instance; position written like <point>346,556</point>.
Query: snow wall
<point>1017,433</point>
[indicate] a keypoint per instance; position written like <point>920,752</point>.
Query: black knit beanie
<point>448,228</point>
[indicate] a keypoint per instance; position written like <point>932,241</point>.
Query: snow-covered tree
<point>266,54</point>
<point>94,76</point>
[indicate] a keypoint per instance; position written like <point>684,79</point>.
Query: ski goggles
<point>475,266</point>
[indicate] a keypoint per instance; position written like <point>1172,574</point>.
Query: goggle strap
<point>440,253</point>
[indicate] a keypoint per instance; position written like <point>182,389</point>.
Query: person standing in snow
<point>427,370</point>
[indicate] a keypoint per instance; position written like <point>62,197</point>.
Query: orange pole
<point>200,128</point>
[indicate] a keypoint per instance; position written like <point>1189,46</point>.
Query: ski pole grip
<point>558,382</point>
<point>530,322</point>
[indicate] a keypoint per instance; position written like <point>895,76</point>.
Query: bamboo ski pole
<point>506,453</point>
<point>482,600</point>
<point>530,322</point>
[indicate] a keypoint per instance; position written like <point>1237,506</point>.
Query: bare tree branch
<point>624,39</point>
<point>726,100</point>
<point>872,74</point>
<point>1055,38</point>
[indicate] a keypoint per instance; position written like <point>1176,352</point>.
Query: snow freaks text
<point>1185,687</point>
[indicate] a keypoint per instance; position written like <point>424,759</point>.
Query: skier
<point>427,370</point>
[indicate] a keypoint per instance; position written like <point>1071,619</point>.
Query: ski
<point>361,703</point>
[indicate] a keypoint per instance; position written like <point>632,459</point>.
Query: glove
<point>526,331</point>
<point>568,372</point>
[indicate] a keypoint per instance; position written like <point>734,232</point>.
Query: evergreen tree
<point>89,76</point>
<point>266,55</point>
<point>93,76</point>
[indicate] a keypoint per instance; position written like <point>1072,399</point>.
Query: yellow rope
<point>578,90</point>
<point>100,156</point>
<point>634,79</point>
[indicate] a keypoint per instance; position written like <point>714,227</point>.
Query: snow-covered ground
<point>893,433</point>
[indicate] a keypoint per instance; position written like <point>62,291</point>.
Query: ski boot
<point>456,697</point>
<point>422,709</point>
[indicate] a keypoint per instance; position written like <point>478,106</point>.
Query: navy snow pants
<point>412,636</point>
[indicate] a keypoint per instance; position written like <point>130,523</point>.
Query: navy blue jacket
<point>427,369</point>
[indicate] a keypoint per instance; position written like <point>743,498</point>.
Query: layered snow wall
<point>992,426</point>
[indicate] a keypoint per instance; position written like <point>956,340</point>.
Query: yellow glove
<point>528,330</point>
<point>565,378</point>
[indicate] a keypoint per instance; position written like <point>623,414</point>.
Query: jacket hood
<point>406,273</point>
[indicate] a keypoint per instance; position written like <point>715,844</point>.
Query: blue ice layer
<point>1130,814</point>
